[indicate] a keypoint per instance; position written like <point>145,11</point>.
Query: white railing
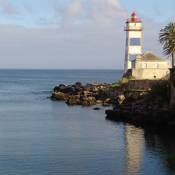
<point>135,28</point>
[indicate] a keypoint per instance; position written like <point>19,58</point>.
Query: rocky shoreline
<point>138,105</point>
<point>159,118</point>
<point>148,109</point>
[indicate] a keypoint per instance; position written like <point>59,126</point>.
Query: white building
<point>141,66</point>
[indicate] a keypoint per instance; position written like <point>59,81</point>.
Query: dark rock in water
<point>68,90</point>
<point>96,108</point>
<point>65,89</point>
<point>59,88</point>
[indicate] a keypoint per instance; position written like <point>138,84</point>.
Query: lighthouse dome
<point>133,14</point>
<point>134,17</point>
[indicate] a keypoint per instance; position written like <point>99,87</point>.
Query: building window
<point>132,57</point>
<point>135,42</point>
<point>157,66</point>
<point>144,65</point>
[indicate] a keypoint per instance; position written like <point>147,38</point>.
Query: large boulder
<point>59,88</point>
<point>70,89</point>
<point>58,96</point>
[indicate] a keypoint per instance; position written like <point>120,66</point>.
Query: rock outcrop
<point>132,101</point>
<point>151,108</point>
<point>86,95</point>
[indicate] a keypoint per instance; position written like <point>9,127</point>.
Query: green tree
<point>167,40</point>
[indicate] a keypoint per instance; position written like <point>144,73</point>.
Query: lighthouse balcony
<point>134,28</point>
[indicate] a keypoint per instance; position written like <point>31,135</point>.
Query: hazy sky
<point>65,34</point>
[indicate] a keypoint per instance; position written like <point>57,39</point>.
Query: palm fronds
<point>167,39</point>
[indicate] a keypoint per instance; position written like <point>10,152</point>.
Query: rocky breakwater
<point>85,95</point>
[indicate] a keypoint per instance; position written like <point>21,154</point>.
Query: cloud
<point>74,8</point>
<point>7,8</point>
<point>82,46</point>
<point>98,11</point>
<point>86,34</point>
<point>71,13</point>
<point>106,10</point>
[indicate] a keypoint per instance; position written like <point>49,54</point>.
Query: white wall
<point>135,50</point>
<point>155,65</point>
<point>149,74</point>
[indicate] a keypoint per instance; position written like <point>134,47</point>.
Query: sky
<point>75,34</point>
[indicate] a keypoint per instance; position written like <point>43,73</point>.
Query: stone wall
<point>172,93</point>
<point>149,74</point>
<point>142,84</point>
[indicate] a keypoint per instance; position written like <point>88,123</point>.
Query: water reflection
<point>163,144</point>
<point>147,150</point>
<point>134,142</point>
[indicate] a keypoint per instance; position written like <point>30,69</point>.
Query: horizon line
<point>60,69</point>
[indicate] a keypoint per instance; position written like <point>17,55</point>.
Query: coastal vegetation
<point>167,39</point>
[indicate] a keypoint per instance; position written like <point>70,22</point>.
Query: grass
<point>122,81</point>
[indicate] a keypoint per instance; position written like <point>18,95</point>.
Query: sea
<point>43,137</point>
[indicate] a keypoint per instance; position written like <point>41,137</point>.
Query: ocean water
<point>43,137</point>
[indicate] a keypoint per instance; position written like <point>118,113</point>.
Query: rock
<point>78,85</point>
<point>68,90</point>
<point>96,108</point>
<point>87,95</point>
<point>59,88</point>
<point>101,94</point>
<point>99,102</point>
<point>108,101</point>
<point>73,100</point>
<point>58,96</point>
<point>120,98</point>
<point>88,101</point>
<point>106,104</point>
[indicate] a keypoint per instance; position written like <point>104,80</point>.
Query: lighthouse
<point>133,48</point>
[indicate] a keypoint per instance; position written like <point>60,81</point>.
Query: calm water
<point>42,137</point>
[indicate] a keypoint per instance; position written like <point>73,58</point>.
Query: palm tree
<point>167,39</point>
